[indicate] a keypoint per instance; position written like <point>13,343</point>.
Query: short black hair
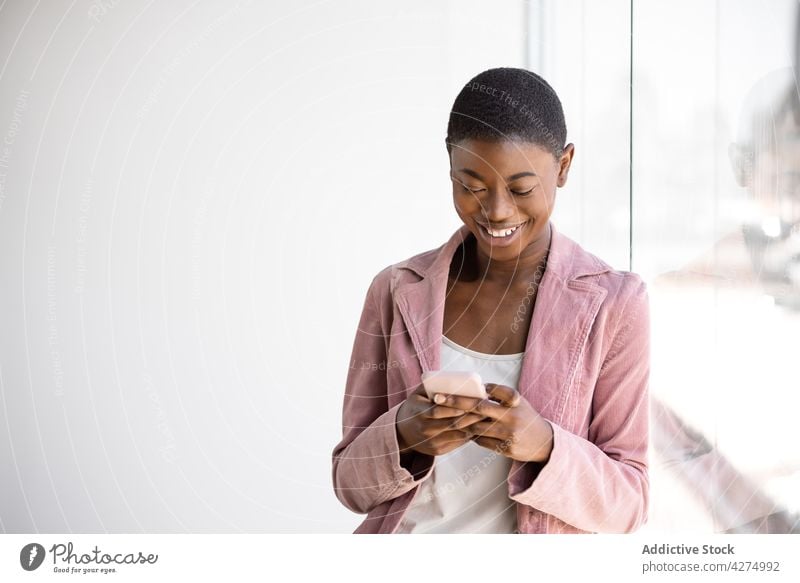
<point>506,103</point>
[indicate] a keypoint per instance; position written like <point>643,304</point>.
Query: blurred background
<point>195,195</point>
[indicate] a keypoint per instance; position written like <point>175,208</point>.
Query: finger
<point>466,420</point>
<point>491,428</point>
<point>434,427</point>
<point>483,407</point>
<point>507,396</point>
<point>441,412</point>
<point>458,402</point>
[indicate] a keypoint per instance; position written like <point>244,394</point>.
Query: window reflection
<point>726,334</point>
<point>714,210</point>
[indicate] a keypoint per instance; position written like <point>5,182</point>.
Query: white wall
<point>195,196</point>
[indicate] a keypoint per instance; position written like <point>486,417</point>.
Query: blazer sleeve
<point>366,462</point>
<point>601,484</point>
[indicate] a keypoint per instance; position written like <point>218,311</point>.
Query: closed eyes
<point>515,192</point>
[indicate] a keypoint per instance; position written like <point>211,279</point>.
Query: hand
<point>429,428</point>
<point>512,427</point>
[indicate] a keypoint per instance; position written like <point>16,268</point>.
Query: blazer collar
<point>564,310</point>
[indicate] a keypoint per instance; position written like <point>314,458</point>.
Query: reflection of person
<point>560,338</point>
<point>765,161</point>
<point>762,260</point>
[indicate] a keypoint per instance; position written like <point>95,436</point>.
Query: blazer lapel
<point>562,316</point>
<point>563,313</point>
<point>421,303</point>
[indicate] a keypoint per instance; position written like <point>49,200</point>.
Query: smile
<point>501,233</point>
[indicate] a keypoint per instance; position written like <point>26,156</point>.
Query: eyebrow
<point>509,179</point>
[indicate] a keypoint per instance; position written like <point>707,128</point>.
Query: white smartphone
<point>463,384</point>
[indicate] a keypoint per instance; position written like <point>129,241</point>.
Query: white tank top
<point>467,491</point>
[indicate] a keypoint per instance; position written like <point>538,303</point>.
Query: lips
<point>499,233</point>
<point>501,237</point>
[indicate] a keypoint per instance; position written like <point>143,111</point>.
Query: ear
<point>740,164</point>
<point>564,164</point>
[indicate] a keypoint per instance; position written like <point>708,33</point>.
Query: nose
<point>499,207</point>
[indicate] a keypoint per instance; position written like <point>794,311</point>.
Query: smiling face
<point>504,192</point>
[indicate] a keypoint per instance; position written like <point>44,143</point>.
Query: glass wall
<point>690,117</point>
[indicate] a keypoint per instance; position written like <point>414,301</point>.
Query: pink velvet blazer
<point>585,369</point>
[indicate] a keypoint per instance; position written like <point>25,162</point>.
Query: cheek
<point>465,203</point>
<point>535,206</point>
<point>545,200</point>
<point>458,204</point>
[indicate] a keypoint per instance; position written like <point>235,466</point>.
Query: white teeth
<point>503,233</point>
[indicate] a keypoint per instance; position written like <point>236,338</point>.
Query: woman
<point>559,337</point>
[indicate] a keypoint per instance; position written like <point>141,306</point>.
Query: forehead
<point>504,157</point>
